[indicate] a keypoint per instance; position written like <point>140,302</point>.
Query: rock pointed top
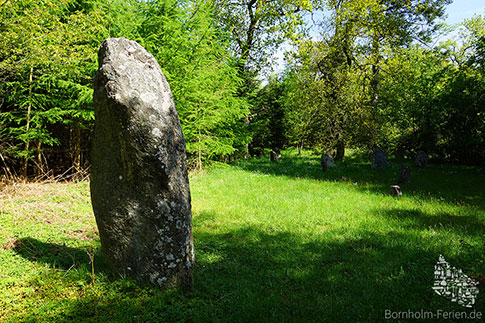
<point>121,49</point>
<point>132,75</point>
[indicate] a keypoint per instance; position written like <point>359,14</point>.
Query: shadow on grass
<point>250,274</point>
<point>451,183</point>
<point>56,255</point>
<point>465,225</point>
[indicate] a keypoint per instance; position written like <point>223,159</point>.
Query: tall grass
<point>274,242</point>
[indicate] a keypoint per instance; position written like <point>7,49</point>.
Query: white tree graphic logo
<point>453,284</point>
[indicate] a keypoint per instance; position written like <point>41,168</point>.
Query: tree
<point>371,28</point>
<point>48,48</point>
<point>192,52</point>
<point>412,80</point>
<point>324,106</point>
<point>434,98</point>
<point>259,26</point>
<point>268,126</point>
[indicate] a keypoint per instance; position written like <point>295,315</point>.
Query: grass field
<point>274,242</point>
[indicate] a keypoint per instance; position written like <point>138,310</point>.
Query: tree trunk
<point>27,127</point>
<point>40,165</point>
<point>340,150</point>
<point>6,168</point>
<point>199,157</point>
<point>374,83</point>
<point>300,147</point>
<point>76,150</point>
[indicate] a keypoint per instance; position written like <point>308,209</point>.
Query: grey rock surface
<point>379,158</point>
<point>327,159</point>
<point>139,182</point>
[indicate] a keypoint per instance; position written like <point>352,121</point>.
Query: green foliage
<point>49,63</point>
<point>192,52</point>
<point>434,98</point>
<point>46,62</point>
<point>268,117</point>
<point>258,27</point>
<point>324,101</point>
<point>368,81</point>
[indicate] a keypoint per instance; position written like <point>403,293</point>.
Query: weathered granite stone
<point>421,159</point>
<point>139,182</point>
<point>404,174</point>
<point>395,190</point>
<point>379,158</point>
<point>275,155</point>
<point>327,159</point>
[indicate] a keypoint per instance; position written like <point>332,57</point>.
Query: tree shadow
<point>450,183</point>
<point>253,274</point>
<point>465,225</point>
<point>57,255</point>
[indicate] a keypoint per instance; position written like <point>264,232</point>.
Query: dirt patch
<point>12,243</point>
<point>88,234</point>
<point>19,190</point>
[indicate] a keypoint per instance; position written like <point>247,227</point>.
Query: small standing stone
<point>421,159</point>
<point>139,181</point>
<point>275,155</point>
<point>379,158</point>
<point>326,161</point>
<point>395,190</point>
<point>404,175</point>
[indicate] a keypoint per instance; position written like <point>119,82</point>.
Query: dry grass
<point>65,207</point>
<point>22,190</point>
<point>12,243</point>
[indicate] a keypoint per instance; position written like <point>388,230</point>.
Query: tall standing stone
<point>139,182</point>
<point>326,161</point>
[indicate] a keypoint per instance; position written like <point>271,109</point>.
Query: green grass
<point>274,242</point>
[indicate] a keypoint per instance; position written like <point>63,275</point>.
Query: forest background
<point>375,76</point>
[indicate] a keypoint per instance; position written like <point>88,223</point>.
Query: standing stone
<point>275,155</point>
<point>404,174</point>
<point>421,159</point>
<point>395,190</point>
<point>327,160</point>
<point>139,183</point>
<point>379,158</point>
